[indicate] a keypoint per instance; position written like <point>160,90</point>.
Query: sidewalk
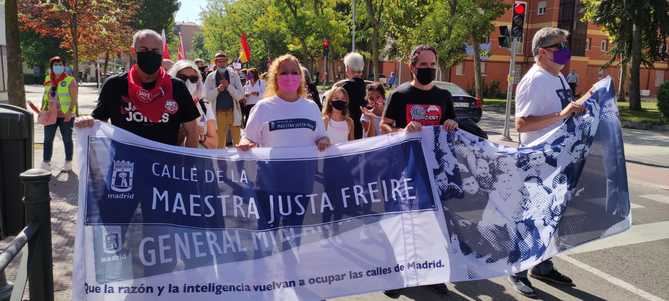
<point>641,146</point>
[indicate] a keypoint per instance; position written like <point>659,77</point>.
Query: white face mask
<point>192,88</point>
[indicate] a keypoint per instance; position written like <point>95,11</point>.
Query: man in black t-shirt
<point>145,100</point>
<point>419,103</point>
<point>416,104</point>
<point>356,89</point>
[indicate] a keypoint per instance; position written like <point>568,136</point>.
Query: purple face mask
<point>562,56</point>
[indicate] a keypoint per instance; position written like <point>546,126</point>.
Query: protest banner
<point>164,222</point>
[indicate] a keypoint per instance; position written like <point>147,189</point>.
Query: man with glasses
<point>146,100</point>
<point>543,100</point>
<point>224,90</point>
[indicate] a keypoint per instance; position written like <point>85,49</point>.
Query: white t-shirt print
<point>541,93</point>
<point>274,122</point>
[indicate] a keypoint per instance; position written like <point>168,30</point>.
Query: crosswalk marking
<point>636,206</point>
<point>657,197</point>
<point>613,280</point>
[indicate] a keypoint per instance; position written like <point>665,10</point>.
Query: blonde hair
<point>273,74</point>
<point>327,106</point>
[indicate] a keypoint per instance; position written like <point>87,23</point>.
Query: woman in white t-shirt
<point>188,72</point>
<point>284,118</point>
<point>254,89</point>
<point>338,125</point>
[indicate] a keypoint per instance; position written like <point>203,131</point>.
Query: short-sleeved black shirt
<point>409,103</point>
<point>356,90</point>
<point>113,104</point>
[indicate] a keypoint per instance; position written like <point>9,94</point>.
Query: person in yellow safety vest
<point>60,90</point>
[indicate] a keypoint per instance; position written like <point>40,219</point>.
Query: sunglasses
<point>560,45</point>
<point>192,79</point>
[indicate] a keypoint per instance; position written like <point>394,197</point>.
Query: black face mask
<point>339,104</point>
<point>149,61</point>
<point>425,75</point>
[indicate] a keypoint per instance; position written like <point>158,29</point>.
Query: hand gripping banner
<point>169,223</point>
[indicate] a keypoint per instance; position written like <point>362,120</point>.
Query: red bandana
<point>58,79</point>
<point>151,103</point>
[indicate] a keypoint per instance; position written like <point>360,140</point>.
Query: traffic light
<point>519,9</point>
<point>504,38</point>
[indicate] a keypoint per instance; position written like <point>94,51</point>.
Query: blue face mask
<point>58,69</point>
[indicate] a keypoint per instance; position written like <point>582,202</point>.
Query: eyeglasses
<point>560,45</point>
<point>192,79</point>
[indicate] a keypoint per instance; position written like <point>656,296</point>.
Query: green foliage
<point>36,50</point>
<point>663,100</point>
<point>199,50</point>
<point>157,15</point>
<point>274,27</point>
<point>618,18</point>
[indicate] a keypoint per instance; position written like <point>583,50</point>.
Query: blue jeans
<point>65,132</point>
<point>542,268</point>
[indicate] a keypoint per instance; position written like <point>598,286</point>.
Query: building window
<point>541,8</point>
<point>604,45</point>
<point>459,69</point>
<point>588,42</point>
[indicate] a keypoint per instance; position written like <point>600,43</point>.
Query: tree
<point>36,50</point>
<point>375,21</point>
<point>274,27</point>
<point>442,24</point>
<point>157,15</point>
<point>15,89</point>
<point>199,50</point>
<point>482,13</point>
<point>638,30</point>
<point>86,28</point>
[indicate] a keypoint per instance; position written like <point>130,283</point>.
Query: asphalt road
<point>629,266</point>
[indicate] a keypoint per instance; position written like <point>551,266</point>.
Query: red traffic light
<point>519,8</point>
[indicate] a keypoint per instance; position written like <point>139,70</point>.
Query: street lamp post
<point>353,31</point>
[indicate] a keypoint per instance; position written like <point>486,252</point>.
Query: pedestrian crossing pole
<point>509,89</point>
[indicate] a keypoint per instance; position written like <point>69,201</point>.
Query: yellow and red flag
<point>245,51</point>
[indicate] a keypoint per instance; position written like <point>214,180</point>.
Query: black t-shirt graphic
<point>409,103</point>
<point>356,90</point>
<point>114,105</point>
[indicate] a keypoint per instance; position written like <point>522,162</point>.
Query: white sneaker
<point>67,166</point>
<point>46,165</point>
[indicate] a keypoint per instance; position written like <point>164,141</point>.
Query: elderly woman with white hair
<point>188,72</point>
<point>356,89</point>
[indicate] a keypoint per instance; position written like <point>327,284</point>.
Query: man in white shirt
<point>543,100</point>
<point>224,90</point>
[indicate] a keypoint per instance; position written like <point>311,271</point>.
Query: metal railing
<point>36,265</point>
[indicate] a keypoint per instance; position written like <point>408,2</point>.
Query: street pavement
<point>629,266</point>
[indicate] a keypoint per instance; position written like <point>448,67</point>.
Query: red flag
<point>166,50</point>
<point>245,51</point>
<point>181,55</point>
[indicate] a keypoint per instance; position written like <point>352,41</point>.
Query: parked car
<point>466,106</point>
<point>468,109</point>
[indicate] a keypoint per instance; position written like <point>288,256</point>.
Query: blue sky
<point>190,10</point>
